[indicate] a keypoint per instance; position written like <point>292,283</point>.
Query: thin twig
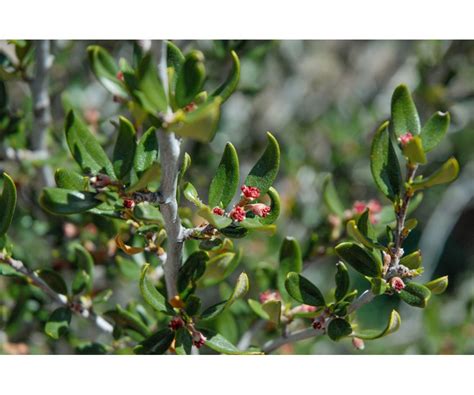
<point>75,307</point>
<point>309,333</point>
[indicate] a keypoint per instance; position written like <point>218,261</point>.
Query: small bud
<point>318,323</point>
<point>198,339</point>
<point>128,203</point>
<point>218,211</point>
<point>100,181</point>
<point>358,207</point>
<point>237,214</point>
<point>250,192</point>
<point>190,107</point>
<point>397,284</point>
<point>259,209</point>
<point>304,308</point>
<point>404,139</point>
<point>176,323</point>
<point>120,75</point>
<point>269,295</point>
<point>358,343</point>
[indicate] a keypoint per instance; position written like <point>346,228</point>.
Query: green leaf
<point>175,60</point>
<point>151,294</point>
<point>437,286</point>
<point>105,69</point>
<point>54,280</point>
<point>275,205</point>
<point>257,308</point>
<point>191,194</point>
<point>339,328</point>
<point>434,130</point>
<point>366,228</point>
<point>342,281</point>
<point>128,268</point>
<point>353,231</point>
<point>362,261</point>
<point>146,152</point>
<point>126,320</point>
<point>190,78</point>
<point>413,150</point>
<point>412,261</point>
<point>219,267</point>
<point>68,179</point>
<point>378,286</point>
<point>200,124</point>
<point>230,84</point>
<point>150,93</point>
<point>273,309</point>
<point>446,173</point>
<point>404,114</point>
<point>218,221</point>
<point>184,342</point>
<point>219,343</point>
<point>290,260</point>
<point>192,270</point>
<point>81,282</point>
<point>265,170</point>
<point>193,305</point>
<point>85,263</point>
<point>226,180</point>
<point>331,197</point>
<point>7,203</point>
<point>416,295</point>
<point>156,344</point>
<point>58,323</point>
<point>147,212</point>
<point>303,290</point>
<point>393,324</point>
<point>85,149</point>
<point>384,164</point>
<point>234,231</point>
<point>152,174</point>
<point>65,201</point>
<point>124,150</point>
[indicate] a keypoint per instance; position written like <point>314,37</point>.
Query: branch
<point>309,333</point>
<point>75,307</point>
<point>41,104</point>
<point>169,157</point>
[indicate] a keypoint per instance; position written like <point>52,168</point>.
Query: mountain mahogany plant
<point>187,243</point>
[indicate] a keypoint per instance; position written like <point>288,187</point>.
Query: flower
<point>218,211</point>
<point>176,323</point>
<point>373,206</point>
<point>358,343</point>
<point>237,213</point>
<point>198,339</point>
<point>269,295</point>
<point>128,203</point>
<point>304,308</point>
<point>318,322</point>
<point>259,209</point>
<point>250,192</point>
<point>119,75</point>
<point>397,284</point>
<point>404,139</point>
<point>358,207</point>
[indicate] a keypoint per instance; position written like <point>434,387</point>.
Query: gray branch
<point>62,300</point>
<point>41,104</point>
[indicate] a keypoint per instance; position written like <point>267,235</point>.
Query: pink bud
<point>198,339</point>
<point>304,308</point>
<point>269,295</point>
<point>237,214</point>
<point>397,284</point>
<point>358,343</point>
<point>250,192</point>
<point>404,139</point>
<point>120,75</point>
<point>358,207</point>
<point>259,209</point>
<point>218,211</point>
<point>176,323</point>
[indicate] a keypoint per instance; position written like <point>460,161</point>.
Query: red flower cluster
<point>397,284</point>
<point>373,205</point>
<point>128,203</point>
<point>237,213</point>
<point>218,211</point>
<point>250,192</point>
<point>176,323</point>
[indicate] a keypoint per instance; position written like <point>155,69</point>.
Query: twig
<point>41,104</point>
<point>169,156</point>
<point>308,333</point>
<point>77,308</point>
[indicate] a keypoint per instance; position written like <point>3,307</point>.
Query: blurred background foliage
<point>323,100</point>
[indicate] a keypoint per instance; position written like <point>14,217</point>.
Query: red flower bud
<point>397,284</point>
<point>404,139</point>
<point>269,295</point>
<point>199,339</point>
<point>176,323</point>
<point>128,203</point>
<point>358,343</point>
<point>250,192</point>
<point>120,75</point>
<point>218,211</point>
<point>318,323</point>
<point>259,209</point>
<point>237,214</point>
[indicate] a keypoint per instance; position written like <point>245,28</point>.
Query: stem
<point>308,333</point>
<point>77,308</point>
<point>41,104</point>
<point>169,157</point>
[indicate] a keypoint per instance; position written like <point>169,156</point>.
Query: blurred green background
<point>323,100</point>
